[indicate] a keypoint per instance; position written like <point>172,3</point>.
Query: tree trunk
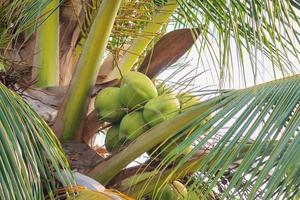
<point>82,158</point>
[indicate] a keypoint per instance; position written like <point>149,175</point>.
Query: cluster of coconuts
<point>136,106</point>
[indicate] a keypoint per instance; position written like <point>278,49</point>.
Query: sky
<point>207,71</point>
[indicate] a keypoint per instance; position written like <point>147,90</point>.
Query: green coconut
<point>133,125</point>
<point>180,189</point>
<point>112,139</point>
<point>160,109</point>
<point>174,191</point>
<point>108,105</point>
<point>187,100</point>
<point>136,89</point>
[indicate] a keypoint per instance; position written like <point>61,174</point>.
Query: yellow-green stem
<point>141,184</point>
<point>47,47</point>
<point>89,63</point>
<point>140,43</point>
<point>155,180</point>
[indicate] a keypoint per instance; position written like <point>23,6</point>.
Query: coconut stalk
<point>110,167</point>
<point>142,184</point>
<point>140,44</point>
<point>75,105</point>
<point>47,48</point>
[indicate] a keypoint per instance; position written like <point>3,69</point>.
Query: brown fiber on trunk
<point>81,157</point>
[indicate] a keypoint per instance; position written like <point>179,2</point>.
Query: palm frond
<point>33,164</point>
<point>132,17</point>
<point>260,32</point>
<point>18,16</point>
<point>256,153</point>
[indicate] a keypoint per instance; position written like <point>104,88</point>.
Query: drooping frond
<point>18,16</point>
<point>33,164</point>
<point>263,32</point>
<point>251,144</point>
<point>234,33</point>
<point>132,17</point>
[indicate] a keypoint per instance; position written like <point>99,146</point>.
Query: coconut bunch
<point>136,106</point>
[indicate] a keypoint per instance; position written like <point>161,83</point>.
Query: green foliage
<point>33,164</point>
<point>253,137</point>
<point>253,143</point>
<point>247,30</point>
<point>249,148</point>
<point>18,16</point>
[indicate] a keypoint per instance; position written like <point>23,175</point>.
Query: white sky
<point>210,71</point>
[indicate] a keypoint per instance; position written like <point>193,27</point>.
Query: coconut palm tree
<point>57,55</point>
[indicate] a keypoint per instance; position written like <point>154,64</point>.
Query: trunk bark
<point>82,158</point>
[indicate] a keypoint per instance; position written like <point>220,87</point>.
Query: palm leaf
<point>251,143</point>
<point>18,16</point>
<point>256,31</point>
<point>268,117</point>
<point>33,164</point>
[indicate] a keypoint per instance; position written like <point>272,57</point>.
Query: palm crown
<point>245,142</point>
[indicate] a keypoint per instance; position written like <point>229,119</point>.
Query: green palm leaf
<point>251,144</point>
<point>247,30</point>
<point>258,155</point>
<point>18,16</point>
<point>32,164</point>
